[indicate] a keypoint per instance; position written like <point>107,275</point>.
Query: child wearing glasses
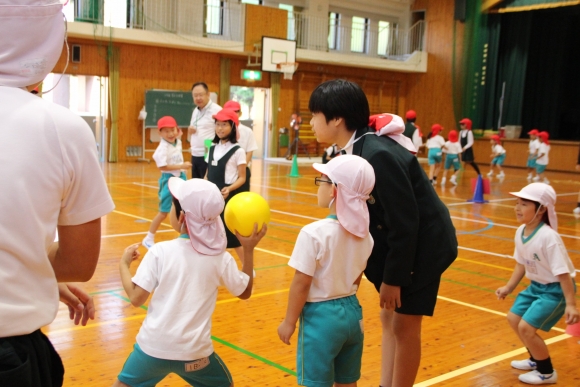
<point>329,257</point>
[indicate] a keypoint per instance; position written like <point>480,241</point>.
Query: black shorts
<point>30,361</point>
<point>198,167</point>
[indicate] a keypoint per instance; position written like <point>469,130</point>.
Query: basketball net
<point>288,68</point>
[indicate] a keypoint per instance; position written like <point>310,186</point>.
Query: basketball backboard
<point>275,51</point>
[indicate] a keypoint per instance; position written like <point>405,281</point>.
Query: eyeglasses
<point>318,180</point>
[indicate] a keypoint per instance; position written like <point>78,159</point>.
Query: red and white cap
<point>393,126</point>
<point>543,194</point>
<point>496,138</point>
<point>227,115</point>
<point>166,122</point>
<point>453,136</point>
<point>202,203</point>
<point>32,34</point>
<point>410,115</point>
<point>534,132</point>
<point>354,178</point>
<point>233,105</point>
<point>544,136</point>
<point>466,122</point>
<point>436,129</point>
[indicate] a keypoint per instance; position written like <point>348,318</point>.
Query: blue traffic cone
<point>294,170</point>
<point>478,191</point>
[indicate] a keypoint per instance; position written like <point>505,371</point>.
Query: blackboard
<point>159,103</point>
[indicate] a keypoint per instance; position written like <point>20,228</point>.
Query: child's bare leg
<point>156,222</point>
<point>118,383</point>
<point>345,385</point>
<point>388,347</point>
<point>407,331</point>
<point>437,169</point>
<point>431,170</point>
<point>444,176</point>
<point>533,341</point>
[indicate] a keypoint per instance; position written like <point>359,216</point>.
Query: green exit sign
<point>252,75</point>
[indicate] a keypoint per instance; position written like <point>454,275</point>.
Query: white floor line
<point>146,185</point>
<point>132,233</point>
<point>284,189</point>
<point>296,215</point>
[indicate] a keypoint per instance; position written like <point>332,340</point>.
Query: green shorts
<point>498,160</point>
<point>434,156</point>
<point>452,160</point>
<point>540,168</point>
<point>142,370</point>
<point>330,342</point>
<point>165,197</point>
<point>541,305</point>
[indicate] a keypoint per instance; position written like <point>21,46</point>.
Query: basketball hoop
<point>288,68</point>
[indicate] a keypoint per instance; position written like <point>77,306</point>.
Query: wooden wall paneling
<point>93,59</point>
<point>237,65</point>
<point>264,21</point>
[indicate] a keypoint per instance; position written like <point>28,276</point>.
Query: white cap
<point>354,178</point>
<point>543,194</point>
<point>202,203</point>
<point>33,33</point>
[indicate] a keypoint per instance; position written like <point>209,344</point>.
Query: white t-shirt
<point>169,154</point>
<point>50,176</point>
<point>417,140</point>
<point>332,256</point>
<point>497,149</point>
<point>204,123</point>
<point>545,150</point>
<point>435,142</point>
<point>185,286</point>
<point>452,148</point>
<point>238,158</point>
<point>533,146</point>
<point>543,255</point>
<point>247,140</point>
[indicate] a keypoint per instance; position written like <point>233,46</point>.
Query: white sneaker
<point>453,180</point>
<point>526,365</point>
<point>443,180</point>
<point>501,175</point>
<point>530,176</point>
<point>546,181</point>
<point>576,210</point>
<point>148,242</point>
<point>536,178</point>
<point>534,377</point>
<point>490,173</point>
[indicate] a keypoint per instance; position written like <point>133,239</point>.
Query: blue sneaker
<point>535,377</point>
<point>526,365</point>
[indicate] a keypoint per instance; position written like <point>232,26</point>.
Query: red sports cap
<point>533,132</point>
<point>544,136</point>
<point>466,122</point>
<point>166,122</point>
<point>233,105</point>
<point>453,136</point>
<point>411,115</point>
<point>436,128</point>
<point>226,115</point>
<point>495,138</point>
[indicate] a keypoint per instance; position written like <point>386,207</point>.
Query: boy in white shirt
<point>497,156</point>
<point>541,256</point>
<point>542,158</point>
<point>434,144</point>
<point>184,275</point>
<point>452,149</point>
<point>532,152</point>
<point>169,159</point>
<point>329,257</point>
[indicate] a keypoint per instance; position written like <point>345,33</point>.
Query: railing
<point>191,19</point>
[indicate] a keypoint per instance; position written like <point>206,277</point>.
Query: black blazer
<point>415,240</point>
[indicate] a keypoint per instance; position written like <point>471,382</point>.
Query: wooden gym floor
<point>467,343</point>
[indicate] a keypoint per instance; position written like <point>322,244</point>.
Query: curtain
<point>114,64</point>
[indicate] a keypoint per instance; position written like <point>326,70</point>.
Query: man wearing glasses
<point>201,127</point>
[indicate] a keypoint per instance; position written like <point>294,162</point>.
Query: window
<point>255,2</point>
<point>291,34</point>
<point>384,33</point>
<point>358,39</point>
<point>213,17</point>
<point>333,23</point>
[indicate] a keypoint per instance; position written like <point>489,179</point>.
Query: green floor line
<point>271,267</point>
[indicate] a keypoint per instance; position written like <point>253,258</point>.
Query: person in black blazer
<point>415,240</point>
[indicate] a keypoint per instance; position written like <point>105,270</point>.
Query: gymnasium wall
<point>146,67</point>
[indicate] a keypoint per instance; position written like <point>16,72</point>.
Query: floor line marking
<point>146,185</point>
<point>138,217</point>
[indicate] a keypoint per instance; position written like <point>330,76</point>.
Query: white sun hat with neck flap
<point>354,178</point>
<point>32,38</point>
<point>543,194</point>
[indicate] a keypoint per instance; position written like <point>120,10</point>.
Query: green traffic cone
<point>294,170</point>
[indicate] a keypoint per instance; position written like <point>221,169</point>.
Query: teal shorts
<point>452,160</point>
<point>165,197</point>
<point>531,162</point>
<point>498,160</point>
<point>435,156</point>
<point>330,342</point>
<point>142,370</point>
<point>540,168</point>
<point>541,305</point>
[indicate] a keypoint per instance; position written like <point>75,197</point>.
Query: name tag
<point>214,163</point>
<point>197,365</point>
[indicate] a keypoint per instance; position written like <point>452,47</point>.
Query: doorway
<point>256,113</point>
<point>84,95</point>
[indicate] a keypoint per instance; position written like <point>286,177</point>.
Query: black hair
<point>202,84</point>
<point>340,98</point>
<point>411,120</point>
<point>537,205</point>
<point>233,134</point>
<point>177,206</point>
<point>430,135</point>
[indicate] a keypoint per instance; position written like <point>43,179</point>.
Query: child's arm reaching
<point>296,300</point>
<point>136,294</point>
<point>571,313</point>
<point>248,245</point>
<point>517,275</point>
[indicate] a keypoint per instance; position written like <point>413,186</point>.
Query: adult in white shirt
<point>247,141</point>
<point>52,181</point>
<point>201,127</point>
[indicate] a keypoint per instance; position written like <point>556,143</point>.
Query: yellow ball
<point>245,209</point>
